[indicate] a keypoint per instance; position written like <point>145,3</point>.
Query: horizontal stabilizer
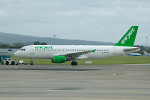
<point>132,49</point>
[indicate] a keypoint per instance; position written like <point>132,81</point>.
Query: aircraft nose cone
<point>16,54</point>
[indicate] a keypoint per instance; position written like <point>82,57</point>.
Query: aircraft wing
<point>74,55</point>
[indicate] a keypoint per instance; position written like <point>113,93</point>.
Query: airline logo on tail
<point>128,36</point>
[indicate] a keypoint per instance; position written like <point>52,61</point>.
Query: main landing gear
<point>74,63</point>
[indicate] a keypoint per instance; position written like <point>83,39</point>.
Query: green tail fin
<point>129,38</point>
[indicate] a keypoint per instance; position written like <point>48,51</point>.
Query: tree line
<point>19,44</point>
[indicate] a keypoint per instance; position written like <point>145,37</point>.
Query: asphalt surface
<point>83,82</point>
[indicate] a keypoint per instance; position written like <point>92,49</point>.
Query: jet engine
<point>59,59</point>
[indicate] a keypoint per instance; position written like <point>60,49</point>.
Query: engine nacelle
<point>59,59</point>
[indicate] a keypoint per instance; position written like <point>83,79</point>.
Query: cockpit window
<point>22,49</point>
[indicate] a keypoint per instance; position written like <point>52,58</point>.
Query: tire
<point>7,63</point>
<point>12,63</point>
<point>74,63</point>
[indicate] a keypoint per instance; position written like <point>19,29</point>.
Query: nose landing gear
<point>31,63</point>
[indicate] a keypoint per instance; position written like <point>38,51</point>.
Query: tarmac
<point>82,82</point>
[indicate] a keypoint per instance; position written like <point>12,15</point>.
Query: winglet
<point>129,38</point>
<point>94,50</point>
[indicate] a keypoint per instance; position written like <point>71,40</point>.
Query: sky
<point>92,20</point>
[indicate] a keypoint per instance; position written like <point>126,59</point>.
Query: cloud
<point>2,12</point>
<point>98,20</point>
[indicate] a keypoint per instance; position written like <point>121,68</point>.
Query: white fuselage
<point>40,52</point>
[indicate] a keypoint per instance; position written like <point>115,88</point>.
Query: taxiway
<point>83,82</point>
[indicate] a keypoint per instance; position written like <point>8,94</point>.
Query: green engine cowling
<point>59,59</point>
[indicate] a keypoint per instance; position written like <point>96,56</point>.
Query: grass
<point>107,61</point>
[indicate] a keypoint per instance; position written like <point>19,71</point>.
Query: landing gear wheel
<point>74,63</point>
<point>31,63</point>
<point>7,63</point>
<point>12,63</point>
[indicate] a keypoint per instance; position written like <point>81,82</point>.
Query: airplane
<point>63,53</point>
<point>133,54</point>
<point>146,54</point>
